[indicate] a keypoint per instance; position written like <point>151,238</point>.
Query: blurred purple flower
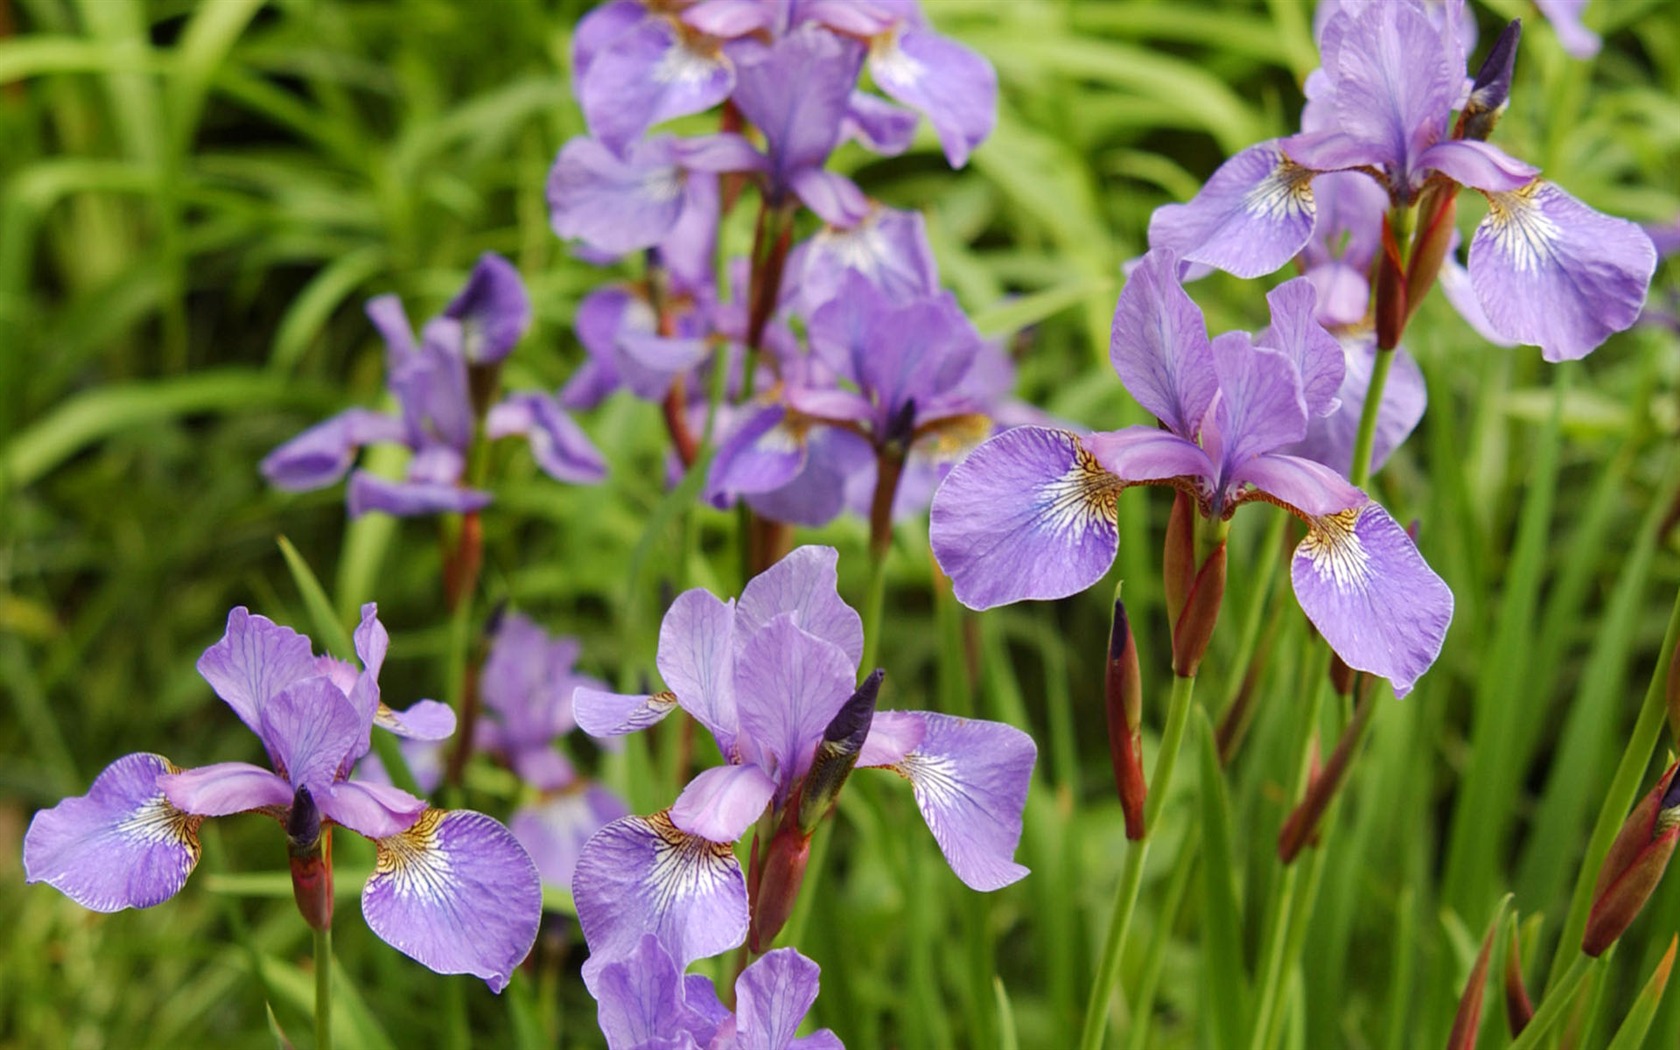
<point>451,889</point>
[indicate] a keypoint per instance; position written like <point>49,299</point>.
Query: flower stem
<point>323,989</point>
<point>1125,899</point>
<point>889,467</point>
<point>1365,439</point>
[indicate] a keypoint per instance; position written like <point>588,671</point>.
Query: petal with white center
<point>1250,218</point>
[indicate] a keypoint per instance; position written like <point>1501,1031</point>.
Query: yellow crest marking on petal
<point>159,821</point>
<point>414,860</point>
<point>1335,549</point>
<point>685,865</point>
<point>1285,192</point>
<point>1086,491</point>
<point>1520,228</point>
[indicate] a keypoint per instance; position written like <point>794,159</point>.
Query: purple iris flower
<point>1031,513</point>
<point>767,675</point>
<point>432,383</point>
<point>1330,438</point>
<point>1565,17</point>
<point>647,1001</point>
<point>1545,268</point>
<point>451,889</point>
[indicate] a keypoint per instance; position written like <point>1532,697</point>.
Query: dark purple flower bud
<point>1491,91</point>
<point>1124,694</point>
<point>838,752</point>
<point>1194,627</point>
<point>778,885</point>
<point>1635,863</point>
<point>310,848</point>
<point>1519,1008</point>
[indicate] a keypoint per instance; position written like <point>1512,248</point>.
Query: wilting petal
<point>642,875</point>
<point>1159,345</point>
<point>1261,407</point>
<point>970,778</point>
<point>601,713</point>
<point>953,85</point>
<point>765,452</point>
<point>312,731</point>
<point>1250,218</point>
<point>643,1004</point>
<point>1551,271</point>
<point>806,584</point>
<point>789,685</point>
<point>554,830</point>
<point>122,845</point>
<point>493,309</point>
<point>558,444</point>
<point>370,809</point>
<point>772,997</point>
<point>255,659</point>
<point>613,203</point>
<point>1363,584</point>
<point>721,803</point>
<point>1029,514</point>
<point>878,125</point>
<point>457,893</point>
<point>1309,488</point>
<point>648,74</point>
<point>410,498</point>
<point>1565,17</point>
<point>322,454</point>
<point>225,787</point>
<point>1315,352</point>
<point>697,660</point>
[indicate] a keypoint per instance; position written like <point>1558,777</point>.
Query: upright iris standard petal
<point>1363,584</point>
<point>789,685</point>
<point>970,778</point>
<point>1159,346</point>
<point>797,92</point>
<point>805,584</point>
<point>1250,218</point>
<point>697,660</point>
<point>1330,438</point>
<point>643,1002</point>
<point>1260,406</point>
<point>457,893</point>
<point>652,72</point>
<point>1296,332</point>
<point>311,731</point>
<point>122,845</point>
<point>721,803</point>
<point>643,875</point>
<point>615,203</point>
<point>554,830</point>
<point>772,997</point>
<point>953,85</point>
<point>559,445</point>
<point>1551,271</point>
<point>255,659</point>
<point>493,309</point>
<point>1396,79</point>
<point>1029,514</point>
<point>321,455</point>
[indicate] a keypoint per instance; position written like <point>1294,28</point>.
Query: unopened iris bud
<point>778,885</point>
<point>1437,211</point>
<point>1674,694</point>
<point>1491,91</point>
<point>1391,299</point>
<point>1178,563</point>
<point>1194,627</point>
<point>1635,863</point>
<point>838,753</point>
<point>1519,1008</point>
<point>1123,692</point>
<point>309,846</point>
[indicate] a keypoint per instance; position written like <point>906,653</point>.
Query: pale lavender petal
<point>312,731</point>
<point>835,198</point>
<point>1344,293</point>
<point>1461,295</point>
<point>661,356</point>
<point>1363,584</point>
<point>391,321</point>
<point>1260,407</point>
<point>697,660</point>
<point>765,452</point>
<point>727,19</point>
<point>648,74</point>
<point>878,125</point>
<point>892,735</point>
<point>370,493</point>
<point>223,788</point>
<point>559,445</point>
<point>797,93</point>
<point>862,18</point>
<point>1551,271</point>
<point>554,830</point>
<point>371,809</point>
<point>643,1004</point>
<point>642,875</point>
<point>457,893</point>
<point>772,997</point>
<point>1029,514</point>
<point>721,803</point>
<point>1159,345</point>
<point>597,28</point>
<point>1330,438</point>
<point>322,454</point>
<point>1397,77</point>
<point>542,767</point>
<point>805,584</point>
<point>1565,17</point>
<point>1312,489</point>
<point>493,309</point>
<point>613,203</point>
<point>255,659</point>
<point>1315,352</point>
<point>122,845</point>
<point>424,720</point>
<point>1482,165</point>
<point>431,386</point>
<point>833,457</point>
<point>889,248</point>
<point>789,685</point>
<point>601,713</point>
<point>716,154</point>
<point>1143,454</point>
<point>953,85</point>
<point>970,777</point>
<point>1250,218</point>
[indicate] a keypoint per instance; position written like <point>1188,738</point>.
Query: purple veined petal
<point>1565,16</point>
<point>805,584</point>
<point>121,845</point>
<point>1309,489</point>
<point>606,714</point>
<point>1397,76</point>
<point>255,659</point>
<point>457,893</point>
<point>1461,295</point>
<point>643,1003</point>
<point>878,125</point>
<point>765,452</point>
<point>889,248</point>
<point>312,731</point>
<point>613,203</point>
<point>1260,406</point>
<point>1315,352</point>
<point>369,492</point>
<point>431,386</point>
<point>721,803</point>
<point>797,92</point>
<point>648,74</point>
<point>642,875</point>
<point>558,444</point>
<point>1159,345</point>
<point>1330,438</point>
<point>555,830</point>
<point>1552,272</point>
<point>1363,584</point>
<point>696,659</point>
<point>224,788</point>
<point>1029,514</point>
<point>370,809</point>
<point>772,997</point>
<point>1136,455</point>
<point>493,309</point>
<point>1250,218</point>
<point>834,457</point>
<point>1482,165</point>
<point>970,777</point>
<point>892,735</point>
<point>789,684</point>
<point>727,19</point>
<point>1344,294</point>
<point>953,85</point>
<point>834,198</point>
<point>423,720</point>
<point>597,28</point>
<point>321,455</point>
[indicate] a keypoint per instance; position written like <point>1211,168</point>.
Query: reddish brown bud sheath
<point>1438,209</point>
<point>1341,676</point>
<point>1391,308</point>
<point>1519,1008</point>
<point>1674,694</point>
<point>778,885</point>
<point>1123,692</point>
<point>1194,627</point>
<point>1635,864</point>
<point>309,846</point>
<point>1468,1020</point>
<point>1178,563</point>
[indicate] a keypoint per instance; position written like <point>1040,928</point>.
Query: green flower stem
<point>1365,438</point>
<point>1559,998</point>
<point>1178,885</point>
<point>889,467</point>
<point>1125,898</point>
<point>323,989</point>
<point>1624,788</point>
